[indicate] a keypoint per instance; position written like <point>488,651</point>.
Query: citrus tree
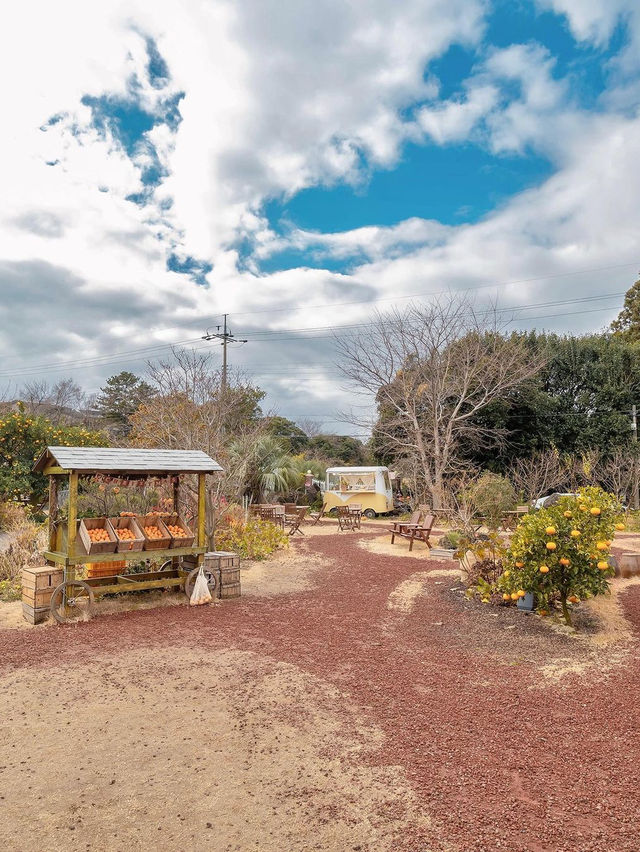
<point>22,440</point>
<point>562,553</point>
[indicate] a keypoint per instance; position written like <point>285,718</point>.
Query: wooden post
<point>176,494</point>
<point>53,511</point>
<point>72,522</point>
<point>202,515</point>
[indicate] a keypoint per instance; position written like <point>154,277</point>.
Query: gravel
<point>501,757</point>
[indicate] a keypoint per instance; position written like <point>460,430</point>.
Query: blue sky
<point>298,166</point>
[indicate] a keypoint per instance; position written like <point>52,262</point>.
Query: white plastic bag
<point>200,593</point>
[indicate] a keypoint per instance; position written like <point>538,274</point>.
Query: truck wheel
<point>369,513</point>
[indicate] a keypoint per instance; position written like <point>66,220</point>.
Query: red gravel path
<point>502,759</point>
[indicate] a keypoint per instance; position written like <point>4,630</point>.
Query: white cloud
<point>279,96</point>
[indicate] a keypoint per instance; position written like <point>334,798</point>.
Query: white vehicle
<point>368,486</point>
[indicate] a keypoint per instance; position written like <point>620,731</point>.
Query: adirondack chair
<point>345,517</point>
<point>316,516</point>
<point>397,526</point>
<point>418,531</point>
<point>297,520</point>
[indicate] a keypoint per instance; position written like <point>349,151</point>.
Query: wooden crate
<point>92,547</point>
<point>154,543</point>
<point>37,599</point>
<point>228,568</point>
<point>42,577</point>
<point>175,520</point>
<point>105,569</point>
<point>35,615</point>
<point>128,544</point>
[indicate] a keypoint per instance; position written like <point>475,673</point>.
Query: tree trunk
<point>565,609</point>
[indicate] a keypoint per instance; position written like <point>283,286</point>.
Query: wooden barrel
<point>230,582</point>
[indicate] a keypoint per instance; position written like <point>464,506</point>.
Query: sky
<point>299,165</point>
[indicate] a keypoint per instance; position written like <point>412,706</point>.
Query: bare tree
<point>35,394</point>
<point>193,411</point>
<point>432,369</point>
<point>621,474</point>
<point>311,428</point>
<point>535,475</point>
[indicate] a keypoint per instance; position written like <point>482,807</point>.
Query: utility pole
<point>226,337</point>
<point>634,429</point>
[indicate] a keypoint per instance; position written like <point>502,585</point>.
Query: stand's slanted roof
<point>122,461</point>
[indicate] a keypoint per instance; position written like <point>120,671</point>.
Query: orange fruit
<point>603,565</point>
<point>564,561</point>
<point>595,511</point>
<point>519,564</point>
<point>543,612</point>
<point>584,508</point>
<point>544,569</point>
<point>574,599</point>
<point>575,533</point>
<point>550,530</point>
<point>551,545</point>
<point>506,597</point>
<point>601,545</point>
<point>521,593</point>
<point>619,527</point>
<point>567,514</point>
<point>514,596</point>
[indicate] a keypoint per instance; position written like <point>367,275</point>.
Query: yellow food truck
<point>369,486</point>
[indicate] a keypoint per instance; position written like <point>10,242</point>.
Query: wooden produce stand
<point>73,599</point>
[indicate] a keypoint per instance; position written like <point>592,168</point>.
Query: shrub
<point>451,540</point>
<point>492,495</point>
<point>26,541</point>
<point>483,573</point>
<point>252,539</point>
<point>561,553</point>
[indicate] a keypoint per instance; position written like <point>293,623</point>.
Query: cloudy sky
<point>300,163</point>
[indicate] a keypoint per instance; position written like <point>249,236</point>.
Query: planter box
<point>442,553</point>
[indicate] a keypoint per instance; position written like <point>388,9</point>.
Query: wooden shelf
<point>127,555</point>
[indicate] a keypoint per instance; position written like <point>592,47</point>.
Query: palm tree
<point>272,471</point>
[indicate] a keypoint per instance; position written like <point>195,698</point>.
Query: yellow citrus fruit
<point>519,564</point>
<point>567,514</point>
<point>514,596</point>
<point>521,593</point>
<point>603,565</point>
<point>575,533</point>
<point>601,545</point>
<point>551,545</point>
<point>564,561</point>
<point>550,530</point>
<point>506,597</point>
<point>595,511</point>
<point>583,508</point>
<point>544,569</point>
<point>619,527</point>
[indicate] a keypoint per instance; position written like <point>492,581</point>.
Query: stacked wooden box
<point>37,587</point>
<point>227,567</point>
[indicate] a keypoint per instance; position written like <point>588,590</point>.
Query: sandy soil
<point>192,749</point>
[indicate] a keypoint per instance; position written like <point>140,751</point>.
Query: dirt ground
<point>352,699</point>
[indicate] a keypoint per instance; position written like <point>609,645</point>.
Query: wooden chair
<point>298,519</point>
<point>315,517</point>
<point>345,517</point>
<point>396,526</point>
<point>419,531</point>
<point>356,514</point>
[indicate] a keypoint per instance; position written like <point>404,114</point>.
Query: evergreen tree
<point>120,397</point>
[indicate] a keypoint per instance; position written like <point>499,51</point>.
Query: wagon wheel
<point>189,583</point>
<point>71,602</point>
<point>185,563</point>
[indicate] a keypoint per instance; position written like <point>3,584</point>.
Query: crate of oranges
<point>181,535</point>
<point>156,535</point>
<point>97,536</point>
<point>128,533</point>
